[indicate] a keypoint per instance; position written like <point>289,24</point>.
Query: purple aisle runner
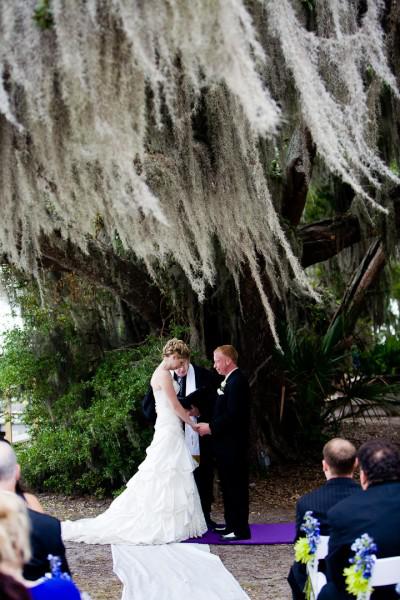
<point>268,533</point>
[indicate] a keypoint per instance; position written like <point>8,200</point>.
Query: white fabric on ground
<point>174,571</point>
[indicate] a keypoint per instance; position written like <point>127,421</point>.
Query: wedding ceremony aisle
<point>261,570</point>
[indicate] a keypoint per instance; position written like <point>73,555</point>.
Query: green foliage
<point>322,385</point>
<point>319,205</point>
<point>383,358</point>
<point>275,167</point>
<point>394,167</point>
<point>309,363</point>
<point>42,15</point>
<point>97,437</point>
<point>82,400</point>
<point>309,4</point>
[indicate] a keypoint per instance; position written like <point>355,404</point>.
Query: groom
<point>229,430</point>
<point>196,392</point>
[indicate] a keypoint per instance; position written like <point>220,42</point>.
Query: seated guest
<point>14,551</point>
<point>375,511</point>
<point>45,530</point>
<point>338,463</point>
<point>31,500</point>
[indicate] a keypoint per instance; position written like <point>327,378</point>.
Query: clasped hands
<point>202,428</point>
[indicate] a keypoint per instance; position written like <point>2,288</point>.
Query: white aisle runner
<point>173,572</point>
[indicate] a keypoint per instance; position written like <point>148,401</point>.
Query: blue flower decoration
<point>358,575</point>
<point>55,568</point>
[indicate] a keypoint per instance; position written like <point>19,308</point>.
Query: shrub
<point>96,435</point>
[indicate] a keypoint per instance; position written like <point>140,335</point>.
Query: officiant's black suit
<point>230,435</point>
<point>375,511</point>
<point>319,501</point>
<point>206,383</point>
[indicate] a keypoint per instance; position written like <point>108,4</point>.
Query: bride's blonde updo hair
<point>14,530</point>
<point>176,346</point>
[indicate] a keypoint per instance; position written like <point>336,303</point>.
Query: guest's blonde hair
<point>178,347</point>
<point>228,351</point>
<point>14,530</point>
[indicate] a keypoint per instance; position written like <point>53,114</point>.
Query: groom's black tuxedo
<point>230,434</point>
<point>206,384</point>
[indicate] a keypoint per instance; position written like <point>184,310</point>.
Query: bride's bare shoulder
<point>159,378</point>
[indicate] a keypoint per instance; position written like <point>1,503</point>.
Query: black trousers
<point>204,477</point>
<point>234,478</point>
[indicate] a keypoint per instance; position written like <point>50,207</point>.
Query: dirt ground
<point>261,570</point>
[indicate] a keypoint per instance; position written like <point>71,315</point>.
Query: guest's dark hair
<point>10,589</point>
<point>380,461</point>
<point>340,456</point>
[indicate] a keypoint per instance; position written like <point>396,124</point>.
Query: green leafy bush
<point>383,358</point>
<point>91,438</point>
<point>99,437</point>
<point>320,386</point>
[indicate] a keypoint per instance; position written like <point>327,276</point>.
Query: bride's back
<point>164,409</point>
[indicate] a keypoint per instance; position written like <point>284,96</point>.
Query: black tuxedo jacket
<point>322,499</point>
<point>319,501</point>
<point>205,380</point>
<point>45,538</point>
<point>230,421</point>
<point>375,511</point>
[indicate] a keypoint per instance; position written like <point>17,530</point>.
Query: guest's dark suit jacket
<point>375,511</point>
<point>45,539</point>
<point>319,501</point>
<point>230,434</point>
<point>206,383</point>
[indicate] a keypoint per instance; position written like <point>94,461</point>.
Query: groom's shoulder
<point>238,375</point>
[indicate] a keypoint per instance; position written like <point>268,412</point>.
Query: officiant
<point>197,389</point>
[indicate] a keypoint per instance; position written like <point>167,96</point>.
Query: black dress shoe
<point>221,528</point>
<point>233,537</point>
<point>211,524</point>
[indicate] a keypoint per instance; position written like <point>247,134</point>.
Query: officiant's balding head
<point>339,458</point>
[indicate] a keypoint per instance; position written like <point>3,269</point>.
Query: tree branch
<point>323,239</point>
<point>105,268</point>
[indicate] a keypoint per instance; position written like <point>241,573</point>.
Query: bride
<point>161,503</point>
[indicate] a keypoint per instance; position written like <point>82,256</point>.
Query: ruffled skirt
<point>159,505</point>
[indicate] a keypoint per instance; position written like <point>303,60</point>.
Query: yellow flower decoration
<point>356,583</point>
<point>302,551</point>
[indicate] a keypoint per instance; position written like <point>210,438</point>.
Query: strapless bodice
<point>166,415</point>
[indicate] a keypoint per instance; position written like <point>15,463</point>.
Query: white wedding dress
<point>160,504</point>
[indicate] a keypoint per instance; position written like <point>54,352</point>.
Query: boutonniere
<point>221,389</point>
